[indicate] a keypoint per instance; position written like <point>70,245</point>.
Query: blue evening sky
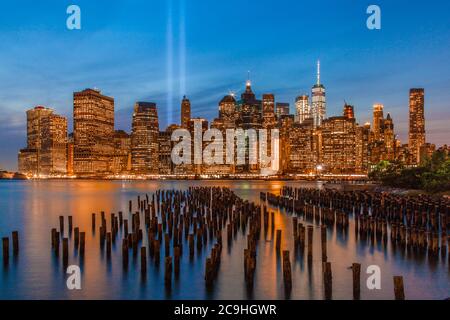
<point>159,50</point>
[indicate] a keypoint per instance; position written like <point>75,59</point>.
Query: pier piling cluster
<point>172,225</point>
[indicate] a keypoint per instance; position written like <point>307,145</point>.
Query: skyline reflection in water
<point>33,208</point>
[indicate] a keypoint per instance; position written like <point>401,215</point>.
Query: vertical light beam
<point>169,62</point>
<point>182,48</point>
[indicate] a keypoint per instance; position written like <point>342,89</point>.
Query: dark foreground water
<point>33,207</point>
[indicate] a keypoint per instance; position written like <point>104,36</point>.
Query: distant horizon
<point>160,51</point>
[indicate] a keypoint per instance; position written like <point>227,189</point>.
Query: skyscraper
<point>144,139</point>
<point>29,158</point>
<point>93,123</point>
<point>389,138</point>
<point>302,109</point>
<point>282,109</point>
<point>362,148</point>
<point>46,143</point>
<point>122,153</point>
<point>349,111</point>
<point>227,111</point>
<point>339,152</point>
<point>302,154</point>
<point>378,120</point>
<point>35,118</point>
<point>319,107</point>
<point>165,151</point>
<point>416,122</point>
<point>53,155</point>
<point>249,109</point>
<point>185,112</point>
<point>268,105</point>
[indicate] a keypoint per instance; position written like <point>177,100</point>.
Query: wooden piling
<point>287,273</point>
<point>15,240</point>
<point>57,237</point>
<point>208,273</point>
<point>328,280</point>
<point>65,252</point>
<point>108,244</point>
<point>70,223</point>
<point>82,243</point>
<point>61,225</point>
<point>76,237</point>
<point>144,261</point>
<point>356,270</point>
<point>278,240</point>
<point>5,242</point>
<point>399,291</point>
<point>166,245</point>
<point>53,237</point>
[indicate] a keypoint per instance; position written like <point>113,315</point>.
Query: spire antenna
<point>318,72</point>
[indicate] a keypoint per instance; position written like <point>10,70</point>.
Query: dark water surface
<point>33,208</point>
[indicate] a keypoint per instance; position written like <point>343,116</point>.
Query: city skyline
<point>369,67</point>
<point>306,143</point>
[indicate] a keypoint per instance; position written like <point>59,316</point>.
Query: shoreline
<point>338,184</point>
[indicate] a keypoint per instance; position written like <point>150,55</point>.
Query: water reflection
<point>33,208</point>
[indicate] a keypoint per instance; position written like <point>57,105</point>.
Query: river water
<point>33,208</point>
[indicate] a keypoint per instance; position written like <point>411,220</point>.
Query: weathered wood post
<point>53,236</point>
<point>144,261</point>
<point>278,240</point>
<point>65,252</point>
<point>328,280</point>
<point>272,220</point>
<point>61,225</point>
<point>5,242</point>
<point>57,243</point>
<point>287,273</point>
<point>120,218</point>
<point>15,240</point>
<point>356,270</point>
<point>301,236</point>
<point>125,228</point>
<point>76,237</point>
<point>108,244</point>
<point>70,223</point>
<point>82,243</point>
<point>208,273</point>
<point>93,221</point>
<point>399,291</point>
<point>166,245</point>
